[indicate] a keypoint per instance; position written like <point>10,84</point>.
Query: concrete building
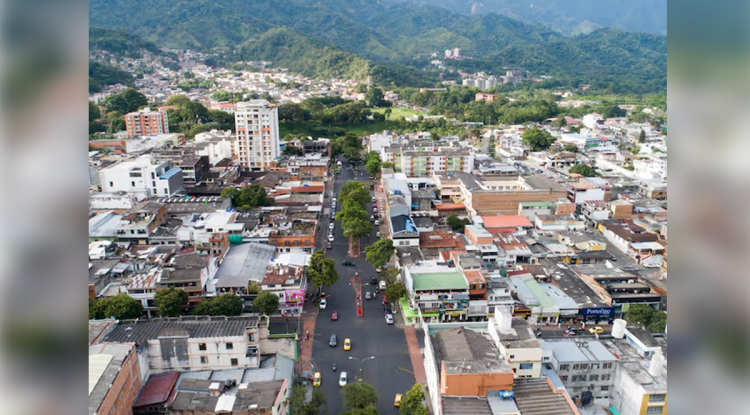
<point>217,145</point>
<point>439,291</point>
<point>193,343</point>
<point>517,343</point>
<point>114,378</point>
<point>289,283</point>
<point>257,127</point>
<point>583,365</point>
<point>142,178</point>
<point>146,122</point>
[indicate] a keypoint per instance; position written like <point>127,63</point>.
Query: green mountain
<point>570,17</point>
<point>384,33</point>
<point>120,43</point>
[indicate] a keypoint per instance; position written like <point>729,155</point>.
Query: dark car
<point>373,281</point>
<point>347,263</point>
<point>334,341</point>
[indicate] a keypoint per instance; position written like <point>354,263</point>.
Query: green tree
<point>359,395</point>
<point>94,112</point>
<point>169,302</point>
<point>572,148</point>
<point>127,101</point>
<point>537,139</point>
<point>561,123</point>
<point>221,305</point>
<point>395,291</point>
<point>456,223</point>
<point>352,155</point>
<point>373,166</point>
<point>584,170</point>
<point>642,137</point>
<point>322,270</point>
<point>367,410</point>
<point>290,150</point>
<point>248,197</point>
<point>387,165</point>
<point>652,319</point>
<point>179,100</point>
<point>389,275</point>
<point>266,303</point>
<point>374,97</point>
<point>379,253</point>
<point>412,402</point>
<point>491,151</point>
<point>354,191</point>
<point>354,220</point>
<point>253,287</point>
<point>121,307</point>
<point>298,404</point>
<point>388,112</point>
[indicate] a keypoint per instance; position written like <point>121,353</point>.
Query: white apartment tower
<point>257,142</point>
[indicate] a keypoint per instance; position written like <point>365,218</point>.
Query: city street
<point>390,371</point>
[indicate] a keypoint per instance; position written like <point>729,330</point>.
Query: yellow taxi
<point>317,379</point>
<point>596,330</point>
<point>347,344</point>
<point>397,401</point>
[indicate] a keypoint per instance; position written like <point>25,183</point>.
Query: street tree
<point>121,307</point>
<point>322,270</point>
<point>354,191</point>
<point>379,253</point>
<point>221,305</point>
<point>298,404</point>
<point>373,166</point>
<point>389,275</point>
<point>395,291</point>
<point>359,395</point>
<point>412,402</point>
<point>266,303</point>
<point>652,319</point>
<point>537,139</point>
<point>387,165</point>
<point>169,302</point>
<point>352,155</point>
<point>584,170</point>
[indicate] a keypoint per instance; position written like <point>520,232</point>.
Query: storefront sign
<point>294,296</point>
<point>600,312</point>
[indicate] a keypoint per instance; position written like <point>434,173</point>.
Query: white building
<point>517,342</point>
<point>257,142</point>
<point>592,120</point>
<point>216,145</point>
<point>140,176</point>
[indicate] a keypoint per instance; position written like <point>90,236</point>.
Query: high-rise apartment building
<point>257,142</point>
<point>146,122</point>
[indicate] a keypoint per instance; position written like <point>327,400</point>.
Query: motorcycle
<point>334,367</point>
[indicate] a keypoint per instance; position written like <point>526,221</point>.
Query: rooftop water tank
<point>618,328</point>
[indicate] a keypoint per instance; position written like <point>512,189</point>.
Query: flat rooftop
<point>140,331</point>
<point>537,397</point>
<point>574,350</point>
<point>439,281</point>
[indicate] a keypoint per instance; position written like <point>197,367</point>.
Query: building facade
<point>146,122</point>
<point>257,127</point>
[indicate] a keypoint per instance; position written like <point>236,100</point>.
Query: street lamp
<point>362,364</point>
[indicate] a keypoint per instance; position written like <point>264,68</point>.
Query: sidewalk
<point>415,353</point>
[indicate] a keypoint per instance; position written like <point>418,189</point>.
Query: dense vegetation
<point>120,43</point>
<point>571,16</point>
<point>403,34</point>
<point>101,75</point>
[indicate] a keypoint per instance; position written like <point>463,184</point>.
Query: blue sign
<point>601,312</point>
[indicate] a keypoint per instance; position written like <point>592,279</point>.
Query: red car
<point>329,246</point>
<point>334,316</point>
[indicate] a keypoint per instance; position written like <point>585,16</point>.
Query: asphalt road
<point>390,371</point>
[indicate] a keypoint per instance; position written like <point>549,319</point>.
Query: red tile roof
<point>157,389</point>
<point>474,277</point>
<point>449,206</point>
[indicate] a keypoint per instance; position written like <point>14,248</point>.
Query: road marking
<point>405,370</point>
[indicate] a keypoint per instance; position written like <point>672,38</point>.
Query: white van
<point>381,285</point>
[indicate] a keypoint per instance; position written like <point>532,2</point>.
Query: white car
<point>377,222</point>
<point>377,234</point>
<point>381,285</point>
<point>389,319</point>
<point>342,379</point>
<point>334,200</point>
<point>323,304</point>
<point>330,226</point>
<point>330,238</point>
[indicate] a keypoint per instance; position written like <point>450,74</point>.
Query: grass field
<point>317,130</point>
<point>397,112</point>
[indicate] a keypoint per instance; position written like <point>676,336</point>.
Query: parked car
<point>596,330</point>
<point>323,304</point>
<point>334,200</point>
<point>329,246</point>
<point>374,199</point>
<point>397,401</point>
<point>377,234</point>
<point>377,222</point>
<point>331,225</point>
<point>372,218</point>
<point>317,379</point>
<point>347,344</point>
<point>347,263</point>
<point>368,295</point>
<point>334,316</point>
<point>389,319</point>
<point>342,379</point>
<point>381,285</point>
<point>333,342</point>
<point>630,268</point>
<point>330,237</point>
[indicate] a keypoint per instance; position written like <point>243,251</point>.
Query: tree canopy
<point>359,395</point>
<point>248,197</point>
<point>121,307</point>
<point>413,401</point>
<point>126,101</point>
<point>221,305</point>
<point>374,97</point>
<point>372,162</point>
<point>457,224</point>
<point>584,170</point>
<point>395,291</point>
<point>169,301</point>
<point>322,270</point>
<point>355,191</point>
<point>652,319</point>
<point>266,303</point>
<point>537,139</point>
<point>298,404</point>
<point>379,253</point>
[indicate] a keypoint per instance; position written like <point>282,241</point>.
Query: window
<point>605,377</point>
<point>594,366</point>
<point>111,184</point>
<point>576,367</point>
<point>512,356</point>
<point>593,378</point>
<point>545,358</point>
<point>526,366</point>
<point>201,346</point>
<point>654,410</point>
<point>605,388</point>
<point>657,398</point>
<point>132,183</point>
<point>251,337</point>
<point>204,359</point>
<point>564,367</point>
<point>230,346</point>
<point>607,366</point>
<point>235,362</point>
<point>564,378</point>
